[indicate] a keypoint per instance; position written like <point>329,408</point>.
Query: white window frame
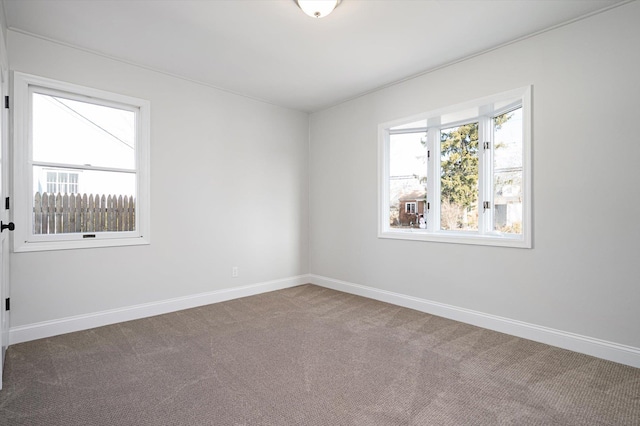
<point>24,240</point>
<point>485,235</point>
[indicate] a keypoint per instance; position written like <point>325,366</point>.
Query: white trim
<point>611,351</point>
<point>23,238</point>
<point>112,316</point>
<point>481,109</point>
<point>455,237</point>
<point>4,189</point>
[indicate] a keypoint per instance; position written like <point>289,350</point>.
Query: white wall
<point>229,187</point>
<point>583,274</point>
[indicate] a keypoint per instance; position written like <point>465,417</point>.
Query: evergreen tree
<point>459,165</point>
<point>459,150</point>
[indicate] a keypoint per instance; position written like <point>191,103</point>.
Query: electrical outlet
<point>234,272</point>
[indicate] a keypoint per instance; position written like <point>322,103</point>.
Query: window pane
<point>58,216</point>
<point>407,180</point>
<point>459,178</point>
<point>73,183</point>
<point>52,182</point>
<point>73,132</point>
<point>507,178</point>
<point>62,181</point>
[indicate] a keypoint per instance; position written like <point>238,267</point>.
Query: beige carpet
<point>308,356</point>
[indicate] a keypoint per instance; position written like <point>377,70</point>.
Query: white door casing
<point>4,217</point>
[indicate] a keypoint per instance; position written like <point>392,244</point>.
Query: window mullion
<point>433,179</point>
<point>485,198</point>
<point>489,176</point>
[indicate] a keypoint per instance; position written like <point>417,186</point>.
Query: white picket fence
<point>68,213</point>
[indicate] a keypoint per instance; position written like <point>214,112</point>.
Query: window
<point>470,162</point>
<point>411,208</point>
<point>81,166</point>
<point>61,182</point>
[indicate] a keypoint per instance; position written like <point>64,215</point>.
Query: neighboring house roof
<point>414,195</point>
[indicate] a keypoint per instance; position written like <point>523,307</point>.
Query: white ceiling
<point>271,50</point>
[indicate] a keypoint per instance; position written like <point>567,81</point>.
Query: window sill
<point>79,244</point>
<point>497,240</point>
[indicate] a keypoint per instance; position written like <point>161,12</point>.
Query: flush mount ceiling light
<point>317,8</point>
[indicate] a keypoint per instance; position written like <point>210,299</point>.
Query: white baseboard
<point>574,342</point>
<point>98,319</point>
<point>591,346</point>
